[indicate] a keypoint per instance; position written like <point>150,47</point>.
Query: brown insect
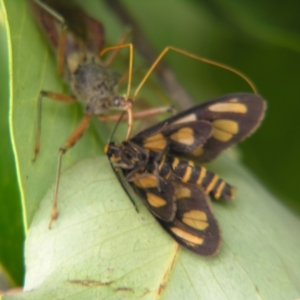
<point>78,39</point>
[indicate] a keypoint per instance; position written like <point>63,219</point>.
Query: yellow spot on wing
<point>233,107</point>
<point>156,142</point>
<point>198,151</point>
<point>196,219</point>
<point>184,136</point>
<point>189,238</point>
<point>188,118</point>
<point>223,130</point>
<point>221,135</point>
<point>182,192</point>
<point>226,125</point>
<point>155,201</point>
<point>146,182</point>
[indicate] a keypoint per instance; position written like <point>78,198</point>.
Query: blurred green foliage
<point>259,38</point>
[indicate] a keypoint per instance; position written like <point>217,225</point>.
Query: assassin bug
<point>78,40</point>
<point>159,165</point>
<point>90,81</point>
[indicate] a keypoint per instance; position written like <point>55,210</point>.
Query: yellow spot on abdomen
<point>211,184</point>
<point>219,190</point>
<point>188,172</point>
<point>201,175</point>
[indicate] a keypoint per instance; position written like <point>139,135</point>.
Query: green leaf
<point>100,247</point>
<point>11,230</point>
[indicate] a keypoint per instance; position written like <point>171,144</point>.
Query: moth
<point>160,164</point>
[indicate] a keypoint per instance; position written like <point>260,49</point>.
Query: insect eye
<point>116,101</point>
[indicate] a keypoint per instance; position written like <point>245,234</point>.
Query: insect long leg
<point>138,115</point>
<point>54,96</point>
<point>164,52</point>
<point>114,53</point>
<point>130,46</point>
<point>61,50</point>
<point>129,109</point>
<point>75,136</point>
<point>62,35</point>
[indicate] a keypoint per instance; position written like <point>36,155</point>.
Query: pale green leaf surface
<point>101,248</point>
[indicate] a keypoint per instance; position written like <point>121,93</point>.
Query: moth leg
<point>55,96</point>
<point>158,160</point>
<point>75,136</point>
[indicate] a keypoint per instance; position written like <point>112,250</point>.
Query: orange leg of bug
<point>114,53</point>
<point>155,63</point>
<point>62,35</point>
<point>129,108</point>
<point>55,96</point>
<point>61,50</point>
<point>138,115</point>
<point>75,136</point>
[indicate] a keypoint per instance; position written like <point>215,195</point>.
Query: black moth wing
<point>182,138</point>
<point>233,117</point>
<point>194,226</point>
<point>160,202</point>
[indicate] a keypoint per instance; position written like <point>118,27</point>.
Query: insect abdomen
<point>187,172</point>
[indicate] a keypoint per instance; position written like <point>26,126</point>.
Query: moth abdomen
<point>186,171</point>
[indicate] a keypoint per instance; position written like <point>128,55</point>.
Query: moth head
<point>113,151</point>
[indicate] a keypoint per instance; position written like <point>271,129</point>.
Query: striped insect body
<point>163,166</point>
